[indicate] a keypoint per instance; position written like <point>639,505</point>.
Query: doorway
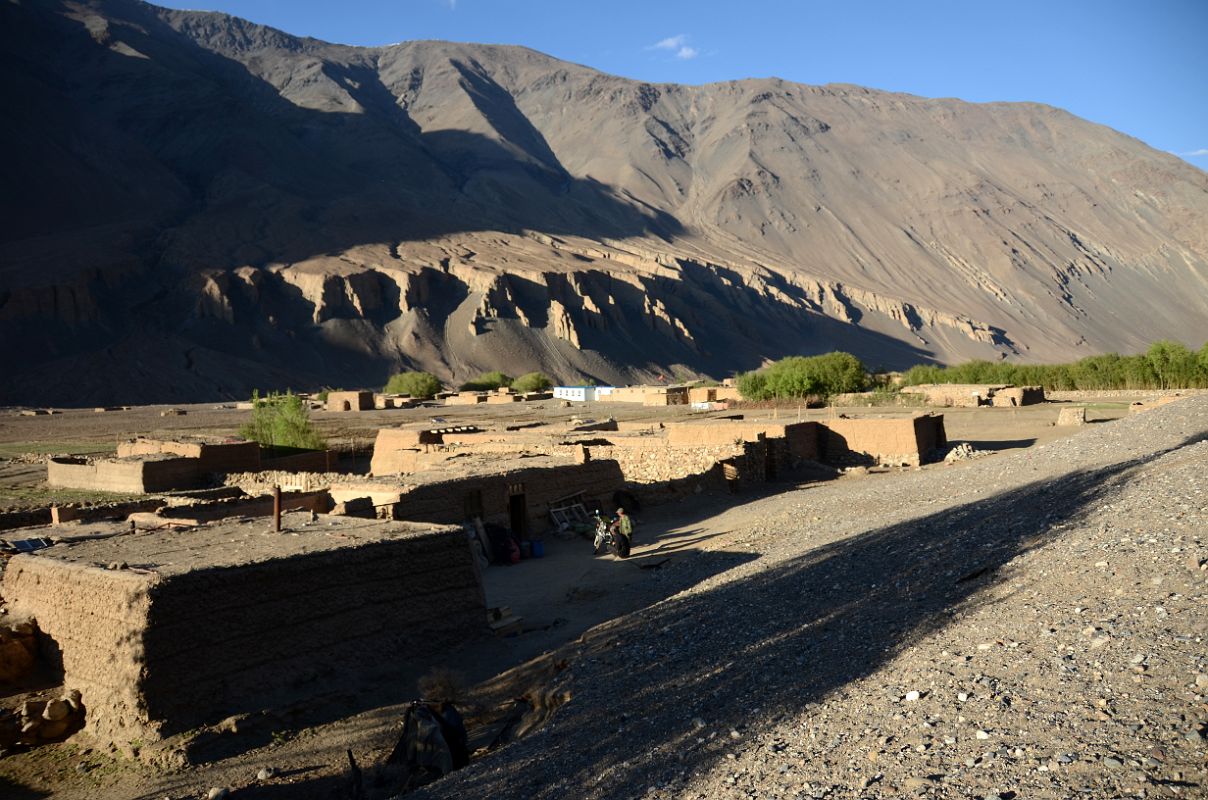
<point>518,515</point>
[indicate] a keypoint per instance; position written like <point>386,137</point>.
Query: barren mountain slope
<point>197,205</point>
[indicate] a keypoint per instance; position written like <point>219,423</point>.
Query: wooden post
<point>277,509</point>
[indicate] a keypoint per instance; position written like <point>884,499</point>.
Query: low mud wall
<point>155,650</point>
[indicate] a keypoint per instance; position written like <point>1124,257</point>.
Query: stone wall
<point>251,622</point>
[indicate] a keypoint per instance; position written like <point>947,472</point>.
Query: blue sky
<point>1140,67</point>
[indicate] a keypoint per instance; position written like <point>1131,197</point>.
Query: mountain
<point>194,205</point>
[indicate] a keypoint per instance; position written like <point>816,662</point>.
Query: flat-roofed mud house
<point>350,401</point>
<point>232,618</point>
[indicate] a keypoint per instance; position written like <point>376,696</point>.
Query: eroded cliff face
<point>207,205</point>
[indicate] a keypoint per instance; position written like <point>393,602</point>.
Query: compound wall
<point>211,456</point>
<point>165,649</point>
<point>137,475</point>
<point>892,442</point>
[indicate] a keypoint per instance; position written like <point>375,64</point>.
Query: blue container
<point>538,548</point>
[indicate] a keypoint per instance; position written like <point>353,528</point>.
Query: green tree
<point>420,385</point>
<point>753,386</point>
<point>487,382</point>
<point>1172,363</point>
<point>281,420</point>
<point>805,376</point>
<point>532,382</point>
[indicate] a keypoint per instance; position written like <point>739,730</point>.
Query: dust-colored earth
<point>1047,604</point>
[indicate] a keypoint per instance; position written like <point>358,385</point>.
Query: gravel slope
<point>1047,606</point>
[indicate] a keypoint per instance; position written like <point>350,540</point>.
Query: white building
<point>581,394</point>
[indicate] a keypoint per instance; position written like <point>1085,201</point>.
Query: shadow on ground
<point>784,638</point>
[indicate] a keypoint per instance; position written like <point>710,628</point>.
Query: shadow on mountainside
<point>778,640</point>
<point>193,166</point>
<point>244,159</point>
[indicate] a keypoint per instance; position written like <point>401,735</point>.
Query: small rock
<point>56,710</point>
<point>1112,762</point>
<point>982,735</point>
<point>962,696</point>
<point>217,793</point>
<point>266,773</point>
<point>735,735</point>
<point>911,696</point>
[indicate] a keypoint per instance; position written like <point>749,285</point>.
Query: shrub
<point>801,376</point>
<point>487,382</point>
<point>420,385</point>
<point>1166,365</point>
<point>532,382</point>
<point>281,420</point>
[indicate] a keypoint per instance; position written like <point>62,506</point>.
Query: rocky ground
<point>1026,626</point>
<point>1029,624</point>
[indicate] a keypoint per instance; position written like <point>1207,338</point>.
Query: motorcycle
<point>615,543</point>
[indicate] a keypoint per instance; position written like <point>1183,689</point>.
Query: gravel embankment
<point>1031,625</point>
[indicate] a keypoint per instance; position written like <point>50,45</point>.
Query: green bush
<point>802,376</point>
<point>532,382</point>
<point>487,382</point>
<point>420,385</point>
<point>281,420</point>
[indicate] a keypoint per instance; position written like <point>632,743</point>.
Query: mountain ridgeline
<point>195,205</point>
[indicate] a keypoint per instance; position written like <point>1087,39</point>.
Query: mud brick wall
<point>930,434</point>
<point>624,394</point>
<point>212,456</point>
<point>450,501</point>
<point>394,449</point>
<point>465,399</point>
<point>356,401</point>
<point>126,476</point>
<point>154,654</point>
<point>301,461</point>
<point>802,437</point>
<point>1018,396</point>
<point>877,441</point>
<point>956,395</point>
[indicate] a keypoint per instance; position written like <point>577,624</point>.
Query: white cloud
<point>670,43</point>
<point>678,45</point>
<point>1203,151</point>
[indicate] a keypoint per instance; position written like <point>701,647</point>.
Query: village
<point>395,541</point>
